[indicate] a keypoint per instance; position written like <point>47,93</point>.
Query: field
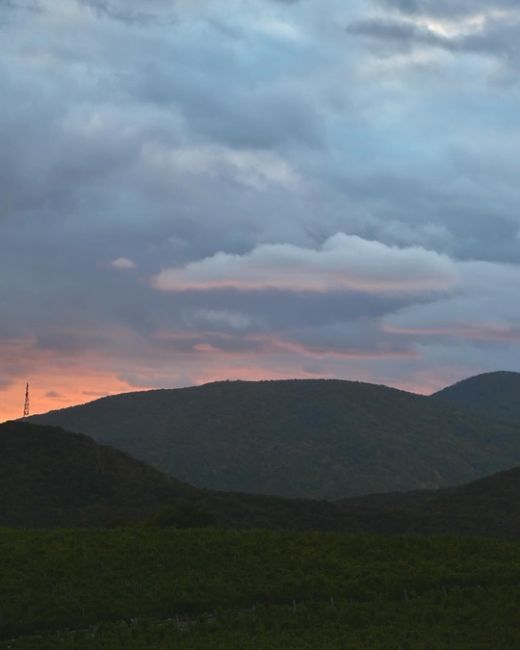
<point>226,589</point>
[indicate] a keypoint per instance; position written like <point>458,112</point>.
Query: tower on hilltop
<point>26,403</point>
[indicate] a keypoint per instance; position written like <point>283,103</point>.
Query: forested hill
<point>494,394</point>
<point>489,506</point>
<point>494,499</point>
<point>323,439</point>
<point>49,477</point>
<point>52,477</point>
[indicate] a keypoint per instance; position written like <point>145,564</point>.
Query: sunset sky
<point>193,190</point>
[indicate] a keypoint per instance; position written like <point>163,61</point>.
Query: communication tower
<point>26,403</point>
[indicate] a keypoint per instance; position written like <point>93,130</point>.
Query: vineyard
<point>158,589</point>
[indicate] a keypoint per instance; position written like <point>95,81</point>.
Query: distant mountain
<point>494,394</point>
<point>322,439</point>
<point>49,477</point>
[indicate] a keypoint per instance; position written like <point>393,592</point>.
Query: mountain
<point>493,394</point>
<point>324,439</point>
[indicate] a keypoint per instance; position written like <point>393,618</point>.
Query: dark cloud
<point>448,8</point>
<point>20,5</point>
<point>53,394</point>
<point>400,33</point>
<point>159,12</point>
<point>498,37</point>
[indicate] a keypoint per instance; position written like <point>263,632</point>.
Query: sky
<point>196,190</point>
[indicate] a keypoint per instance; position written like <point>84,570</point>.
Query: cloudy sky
<point>193,190</point>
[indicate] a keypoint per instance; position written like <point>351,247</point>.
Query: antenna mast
<point>26,404</point>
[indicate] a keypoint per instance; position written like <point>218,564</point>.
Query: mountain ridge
<point>324,439</point>
<point>494,394</point>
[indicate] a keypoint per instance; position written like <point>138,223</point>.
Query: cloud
<point>494,35</point>
<point>222,319</point>
<point>484,309</point>
<point>404,33</point>
<point>359,338</point>
<point>449,7</point>
<point>53,394</point>
<point>343,262</point>
<point>131,13</point>
<point>257,169</point>
<point>123,264</point>
<point>31,6</point>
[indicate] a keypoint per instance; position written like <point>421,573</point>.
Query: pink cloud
<point>342,262</point>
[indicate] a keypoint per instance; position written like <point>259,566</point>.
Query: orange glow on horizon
<point>59,381</point>
<point>72,390</point>
<point>48,394</point>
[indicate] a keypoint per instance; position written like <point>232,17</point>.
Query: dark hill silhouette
<point>489,506</point>
<point>52,477</point>
<point>493,394</point>
<point>49,477</point>
<point>323,439</point>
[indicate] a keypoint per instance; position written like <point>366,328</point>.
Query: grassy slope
<point>458,593</point>
<point>318,439</point>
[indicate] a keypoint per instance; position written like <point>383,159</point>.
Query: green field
<point>226,589</point>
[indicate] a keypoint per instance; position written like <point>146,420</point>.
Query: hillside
<point>489,506</point>
<point>50,477</point>
<point>492,503</point>
<point>322,439</point>
<point>494,394</point>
